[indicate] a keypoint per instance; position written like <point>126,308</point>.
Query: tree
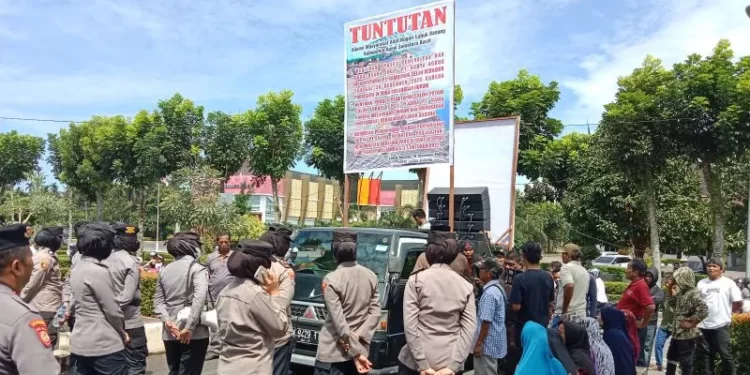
<point>558,159</point>
<point>709,100</point>
<point>277,139</point>
<point>183,121</point>
<point>226,141</point>
<point>542,222</point>
<point>19,155</point>
<point>40,205</point>
<point>324,140</point>
<point>91,155</point>
<point>634,138</point>
<point>529,97</point>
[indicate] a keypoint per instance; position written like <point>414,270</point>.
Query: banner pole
<point>345,208</point>
<point>451,203</point>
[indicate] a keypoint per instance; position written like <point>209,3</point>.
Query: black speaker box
<point>471,208</point>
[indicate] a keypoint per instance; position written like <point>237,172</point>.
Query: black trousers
<point>336,368</point>
<point>403,370</point>
<point>717,341</point>
<point>186,359</point>
<point>137,352</point>
<point>282,358</point>
<point>680,352</point>
<point>110,364</point>
<point>49,318</point>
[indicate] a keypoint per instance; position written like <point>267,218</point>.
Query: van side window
<point>411,248</point>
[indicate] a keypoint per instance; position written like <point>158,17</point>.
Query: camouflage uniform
<point>687,305</point>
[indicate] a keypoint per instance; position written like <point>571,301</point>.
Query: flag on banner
<point>374,198</point>
<point>364,190</point>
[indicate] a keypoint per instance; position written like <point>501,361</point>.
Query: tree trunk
<point>421,174</point>
<point>341,201</point>
<point>142,213</point>
<point>276,206</point>
<point>99,206</point>
<point>716,200</point>
<point>70,215</point>
<point>653,226</point>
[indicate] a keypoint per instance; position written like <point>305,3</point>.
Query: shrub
<point>613,298</point>
<point>672,261</point>
<point>64,260</point>
<point>615,287</point>
<point>148,289</point>
<point>544,266</point>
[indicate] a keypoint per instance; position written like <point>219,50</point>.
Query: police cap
<point>124,229</point>
<point>13,236</point>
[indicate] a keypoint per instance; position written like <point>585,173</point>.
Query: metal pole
<point>158,196</point>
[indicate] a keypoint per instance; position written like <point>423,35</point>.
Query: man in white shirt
<point>573,286</point>
<point>421,218</point>
<point>722,296</point>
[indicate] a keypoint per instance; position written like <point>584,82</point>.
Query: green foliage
<point>559,158</point>
<point>616,287</point>
<point>611,270</point>
<point>277,139</point>
<point>529,97</point>
<point>148,290</point>
<point>324,134</point>
<point>40,204</point>
<point>711,98</point>
<point>226,141</point>
<point>19,155</point>
<point>542,222</point>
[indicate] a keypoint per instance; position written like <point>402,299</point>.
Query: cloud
<point>669,30</point>
<point>88,54</point>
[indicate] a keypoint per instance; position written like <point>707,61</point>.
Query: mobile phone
<point>259,273</point>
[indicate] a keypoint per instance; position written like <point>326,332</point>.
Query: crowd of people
<point>506,312</point>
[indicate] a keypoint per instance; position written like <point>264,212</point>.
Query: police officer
<point>97,345</point>
<point>75,256</point>
<point>439,313</point>
<point>280,239</point>
<point>126,278</point>
<point>44,290</point>
<point>24,341</point>
<point>251,311</point>
<point>351,297</point>
<point>183,286</point>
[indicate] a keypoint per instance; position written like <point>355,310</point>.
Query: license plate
<point>306,336</point>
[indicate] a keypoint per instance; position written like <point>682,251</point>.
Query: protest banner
<point>399,89</point>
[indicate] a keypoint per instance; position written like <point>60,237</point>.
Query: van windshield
<point>313,249</point>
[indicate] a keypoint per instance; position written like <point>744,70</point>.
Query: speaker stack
<point>471,210</point>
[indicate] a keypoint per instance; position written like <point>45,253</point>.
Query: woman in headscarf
<point>600,353</point>
<point>577,342</point>
<point>179,300</point>
<point>439,313</point>
<point>537,358</point>
<point>616,338</point>
<point>251,312</point>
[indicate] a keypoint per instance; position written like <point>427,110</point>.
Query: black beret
<point>13,236</point>
<point>256,248</point>
<point>344,235</point>
<point>98,229</point>
<point>56,231</point>
<point>124,229</point>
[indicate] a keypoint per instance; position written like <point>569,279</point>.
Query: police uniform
<point>252,321</point>
<point>24,341</point>
<point>44,289</point>
<point>126,276</point>
<point>439,320</point>
<point>180,284</point>
<point>97,343</point>
<point>353,302</point>
<point>67,294</point>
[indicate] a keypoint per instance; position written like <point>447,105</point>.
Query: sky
<point>71,59</point>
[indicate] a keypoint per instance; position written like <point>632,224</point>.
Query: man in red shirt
<point>637,298</point>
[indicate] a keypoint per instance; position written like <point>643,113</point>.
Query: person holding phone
<point>353,303</point>
<point>182,289</point>
<point>251,311</point>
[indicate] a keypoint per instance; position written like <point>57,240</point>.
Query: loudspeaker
<point>471,208</point>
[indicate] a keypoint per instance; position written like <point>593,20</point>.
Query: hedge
<point>148,289</point>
